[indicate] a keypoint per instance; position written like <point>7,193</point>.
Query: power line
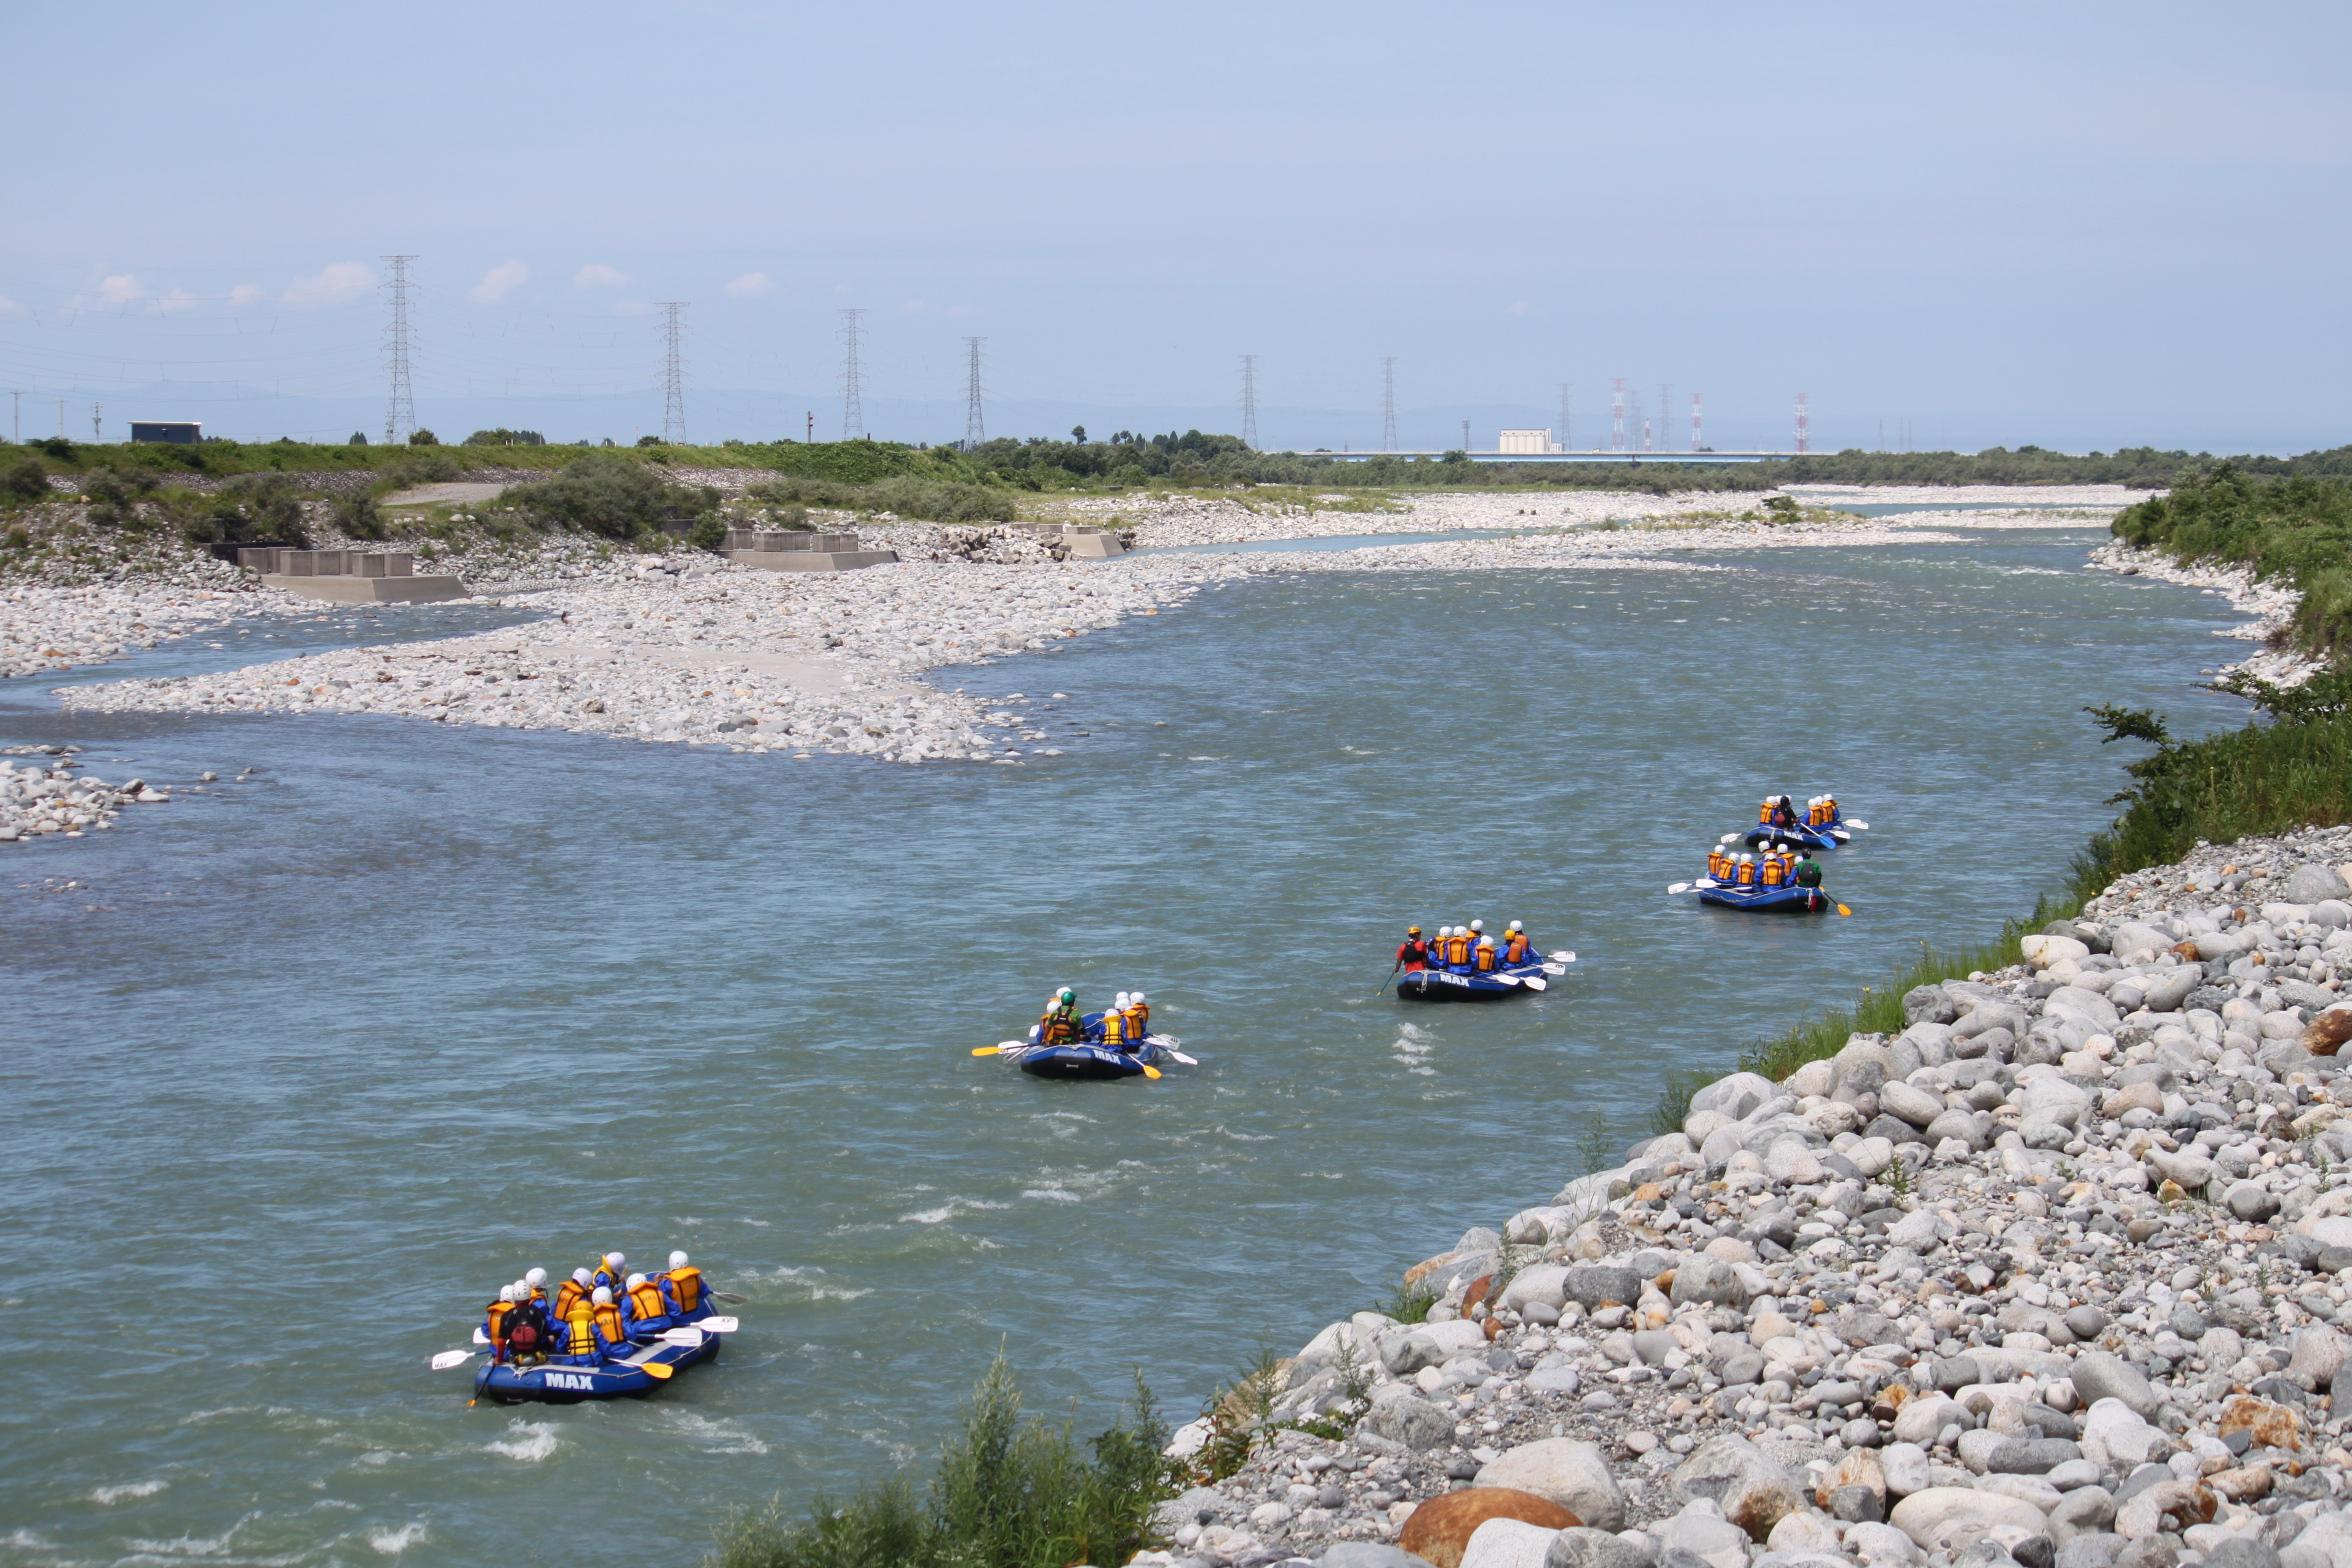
<point>853,408</point>
<point>975,427</point>
<point>673,376</point>
<point>1249,401</point>
<point>399,402</point>
<point>1388,404</point>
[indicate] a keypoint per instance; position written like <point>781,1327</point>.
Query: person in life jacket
<point>494,1321</point>
<point>612,1273</point>
<point>1518,947</point>
<point>575,1289</point>
<point>1746,875</point>
<point>1138,1017</point>
<point>612,1331</point>
<point>1060,1024</point>
<point>1457,949</point>
<point>681,1286</point>
<point>1483,958</point>
<point>527,1328</point>
<point>1770,873</point>
<point>1807,874</point>
<point>1412,953</point>
<point>644,1309</point>
<point>575,1335</point>
<point>1437,946</point>
<point>1114,1024</point>
<point>1784,812</point>
<point>535,1283</point>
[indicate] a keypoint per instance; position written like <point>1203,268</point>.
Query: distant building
<point>1526,443</point>
<point>180,432</point>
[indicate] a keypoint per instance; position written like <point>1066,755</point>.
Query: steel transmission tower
<point>1804,426</point>
<point>1388,404</point>
<point>673,376</point>
<point>975,428</point>
<point>1249,401</point>
<point>1565,444</point>
<point>96,409</point>
<point>1617,415</point>
<point>853,407</point>
<point>1665,417</point>
<point>399,403</point>
<point>1698,421</point>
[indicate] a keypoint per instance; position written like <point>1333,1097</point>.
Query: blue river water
<point>300,1068</point>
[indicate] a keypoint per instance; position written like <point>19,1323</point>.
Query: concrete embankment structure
<point>801,552</point>
<point>350,576</point>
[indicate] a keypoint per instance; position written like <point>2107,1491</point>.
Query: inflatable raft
<point>1448,985</point>
<point>1767,900</point>
<point>1829,836</point>
<point>626,1377</point>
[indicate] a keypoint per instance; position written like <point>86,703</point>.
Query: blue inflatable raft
<point>1084,1061</point>
<point>1767,900</point>
<point>1448,985</point>
<point>1804,837</point>
<point>622,1378</point>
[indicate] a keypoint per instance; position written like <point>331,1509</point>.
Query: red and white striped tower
<point>1617,416</point>
<point>1698,420</point>
<point>1804,427</point>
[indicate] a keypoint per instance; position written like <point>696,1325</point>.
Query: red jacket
<point>1413,955</point>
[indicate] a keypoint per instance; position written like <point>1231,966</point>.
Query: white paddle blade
<point>1863,826</point>
<point>1673,888</point>
<point>1727,838</point>
<point>480,1338</point>
<point>1505,979</point>
<point>1535,982</point>
<point>449,1360</point>
<point>717,1325</point>
<point>689,1337</point>
<point>1566,955</point>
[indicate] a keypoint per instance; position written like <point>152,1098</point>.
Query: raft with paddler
<point>605,1333</point>
<point>1464,963</point>
<point>1117,1042</point>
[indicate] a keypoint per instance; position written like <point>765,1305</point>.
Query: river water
<point>302,1067</point>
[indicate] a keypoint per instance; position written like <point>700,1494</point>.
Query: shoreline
<point>2270,607</point>
<point>684,649</point>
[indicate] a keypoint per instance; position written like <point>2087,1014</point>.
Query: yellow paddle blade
<point>986,1050</point>
<point>1843,911</point>
<point>658,1372</point>
<point>1149,1071</point>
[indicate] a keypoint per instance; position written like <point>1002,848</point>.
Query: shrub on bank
<point>22,478</point>
<point>1010,1491</point>
<point>921,500</point>
<point>609,496</point>
<point>248,509</point>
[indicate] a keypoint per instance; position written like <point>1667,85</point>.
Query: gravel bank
<point>2056,1277</point>
<point>42,799</point>
<point>2270,604</point>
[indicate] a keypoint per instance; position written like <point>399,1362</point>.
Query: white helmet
<point>535,1278</point>
<point>1513,926</point>
<point>636,1280</point>
<point>1478,925</point>
<point>603,1296</point>
<point>1120,1001</point>
<point>677,1260</point>
<point>1486,941</point>
<point>522,1290</point>
<point>506,1294</point>
<point>615,1262</point>
<point>1137,998</point>
<point>579,1276</point>
<point>1747,857</point>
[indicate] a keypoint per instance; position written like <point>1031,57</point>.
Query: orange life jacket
<point>646,1301</point>
<point>687,1282</point>
<point>1772,873</point>
<point>608,1319</point>
<point>1457,948</point>
<point>499,1312</point>
<point>1516,952</point>
<point>1138,1021</point>
<point>1484,958</point>
<point>1764,812</point>
<point>568,1293</point>
<point>1747,873</point>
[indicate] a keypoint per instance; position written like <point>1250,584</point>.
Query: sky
<point>2085,225</point>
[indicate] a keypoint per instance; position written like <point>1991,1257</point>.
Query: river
<point>299,1069</point>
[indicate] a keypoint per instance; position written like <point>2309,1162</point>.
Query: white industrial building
<point>1526,443</point>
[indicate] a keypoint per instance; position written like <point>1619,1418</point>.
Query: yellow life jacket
<point>499,1312</point>
<point>1764,812</point>
<point>1138,1021</point>
<point>1114,1026</point>
<point>579,1330</point>
<point>646,1301</point>
<point>687,1282</point>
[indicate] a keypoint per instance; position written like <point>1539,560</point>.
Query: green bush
<point>248,509</point>
<point>423,438</point>
<point>1010,1491</point>
<point>921,500</point>
<point>709,531</point>
<point>22,478</point>
<point>115,498</point>
<point>356,515</point>
<point>610,496</point>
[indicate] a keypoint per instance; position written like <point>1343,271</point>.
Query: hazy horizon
<point>2092,227</point>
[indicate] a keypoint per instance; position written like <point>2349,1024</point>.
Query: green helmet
<point>1069,995</point>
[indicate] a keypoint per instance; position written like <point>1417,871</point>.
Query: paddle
<point>448,1360</point>
<point>1012,1046</point>
<point>1166,1045</point>
<point>1685,887</point>
<point>728,1297</point>
<point>1532,982</point>
<point>1566,955</point>
<point>656,1370</point>
<point>716,1324</point>
<point>689,1336</point>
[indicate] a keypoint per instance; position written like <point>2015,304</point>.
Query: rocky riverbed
<point>2270,607</point>
<point>2055,1277</point>
<point>40,799</point>
<point>684,648</point>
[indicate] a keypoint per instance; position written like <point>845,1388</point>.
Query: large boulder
<point>1708,1281</point>
<point>1734,1474</point>
<point>1734,1096</point>
<point>2312,882</point>
<point>1509,1543</point>
<point>1441,1528</point>
<point>1543,1282</point>
<point>1595,1285</point>
<point>1571,1473</point>
<point>2100,1374</point>
<point>1409,1419</point>
<point>1581,1547</point>
<point>1947,1519</point>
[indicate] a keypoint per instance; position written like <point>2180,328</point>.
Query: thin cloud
<point>118,289</point>
<point>177,299</point>
<point>8,307</point>
<point>752,285</point>
<point>331,285</point>
<point>248,294</point>
<point>596,275</point>
<point>499,282</point>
